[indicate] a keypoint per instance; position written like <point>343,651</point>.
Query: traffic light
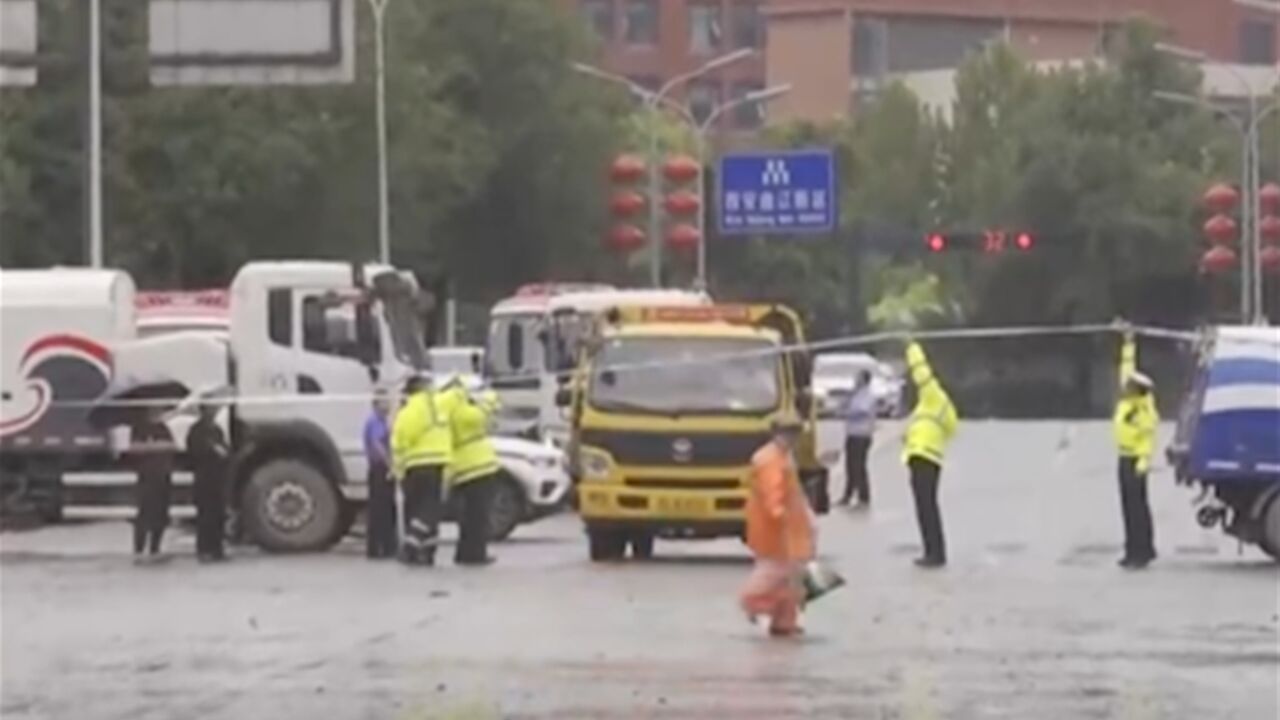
<point>990,242</point>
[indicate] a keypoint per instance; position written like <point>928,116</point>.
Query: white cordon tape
<point>847,342</point>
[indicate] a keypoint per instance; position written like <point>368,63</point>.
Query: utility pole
<point>95,135</point>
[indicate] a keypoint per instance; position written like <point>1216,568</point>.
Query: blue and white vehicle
<point>1228,434</point>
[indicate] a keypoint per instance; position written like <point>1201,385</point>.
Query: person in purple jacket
<point>380,513</point>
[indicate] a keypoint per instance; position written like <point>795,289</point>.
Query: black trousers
<point>473,500</point>
<point>423,510</point>
<point>855,469</point>
<point>152,515</point>
<point>1138,532</point>
<point>924,486</point>
<point>380,514</point>
<point>211,511</point>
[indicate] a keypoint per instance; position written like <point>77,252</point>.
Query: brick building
<point>833,52</point>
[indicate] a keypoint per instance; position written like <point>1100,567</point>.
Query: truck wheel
<point>506,508</point>
<point>641,545</point>
<point>1269,535</point>
<point>290,506</point>
<point>606,545</point>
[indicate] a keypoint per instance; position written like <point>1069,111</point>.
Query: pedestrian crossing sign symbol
<point>775,173</point>
<point>775,193</point>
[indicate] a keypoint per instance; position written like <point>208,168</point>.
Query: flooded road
<point>1032,619</point>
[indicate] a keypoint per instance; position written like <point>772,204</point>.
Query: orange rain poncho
<point>780,534</point>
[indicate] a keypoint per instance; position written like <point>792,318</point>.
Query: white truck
<point>304,346</point>
<point>533,343</point>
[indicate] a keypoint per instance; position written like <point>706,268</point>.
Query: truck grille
<point>683,449</point>
<point>684,484</point>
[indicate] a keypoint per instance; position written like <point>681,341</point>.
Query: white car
<point>533,483</point>
<point>833,375</point>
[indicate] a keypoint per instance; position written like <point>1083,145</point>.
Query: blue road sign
<point>777,192</point>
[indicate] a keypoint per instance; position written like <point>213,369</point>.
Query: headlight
<point>594,466</point>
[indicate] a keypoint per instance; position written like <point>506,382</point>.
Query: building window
<point>599,17</point>
<point>704,98</point>
<point>641,22</point>
<point>748,28</point>
<point>704,27</point>
<point>870,47</point>
<point>1257,42</point>
<point>747,116</point>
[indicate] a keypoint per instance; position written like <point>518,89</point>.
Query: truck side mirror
<point>366,335</point>
<point>564,397</point>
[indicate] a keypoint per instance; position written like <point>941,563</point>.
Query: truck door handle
<point>307,385</point>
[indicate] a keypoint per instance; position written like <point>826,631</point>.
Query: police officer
<point>1135,424</point>
<point>209,452</point>
<point>472,473</point>
<point>930,427</point>
<point>421,447</point>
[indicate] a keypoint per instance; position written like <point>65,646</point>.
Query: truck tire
<point>606,545</point>
<point>506,508</point>
<point>289,506</point>
<point>1269,527</point>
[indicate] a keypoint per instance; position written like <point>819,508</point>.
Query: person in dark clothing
<point>152,450</point>
<point>380,513</point>
<point>207,446</point>
<point>860,426</point>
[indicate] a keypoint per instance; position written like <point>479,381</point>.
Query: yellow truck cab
<point>667,407</point>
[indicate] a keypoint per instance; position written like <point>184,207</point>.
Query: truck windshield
<point>699,375</point>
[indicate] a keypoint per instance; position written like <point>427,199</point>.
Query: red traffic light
<point>1024,241</point>
<point>936,242</point>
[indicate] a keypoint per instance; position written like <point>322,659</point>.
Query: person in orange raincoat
<point>779,532</point>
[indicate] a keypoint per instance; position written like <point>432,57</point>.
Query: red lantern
<point>1221,198</point>
<point>1270,228</point>
<point>626,238</point>
<point>1217,259</point>
<point>682,202</point>
<point>1220,229</point>
<point>627,168</point>
<point>1269,197</point>
<point>681,168</point>
<point>1270,257</point>
<point>626,203</point>
<point>683,237</point>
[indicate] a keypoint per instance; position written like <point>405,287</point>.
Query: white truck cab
<point>533,343</point>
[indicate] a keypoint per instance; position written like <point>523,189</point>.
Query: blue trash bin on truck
<point>1228,434</point>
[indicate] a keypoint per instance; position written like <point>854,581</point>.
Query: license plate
<point>683,506</point>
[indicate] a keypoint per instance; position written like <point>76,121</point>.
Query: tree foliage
<point>497,149</point>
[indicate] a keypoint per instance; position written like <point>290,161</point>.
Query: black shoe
<point>930,563</point>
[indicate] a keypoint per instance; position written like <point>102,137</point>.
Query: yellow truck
<point>667,406</point>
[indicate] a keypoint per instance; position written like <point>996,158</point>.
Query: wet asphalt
<point>1032,618</point>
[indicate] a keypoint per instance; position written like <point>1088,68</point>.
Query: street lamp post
<point>379,9</point>
<point>1249,126</point>
<point>651,101</point>
<point>95,134</point>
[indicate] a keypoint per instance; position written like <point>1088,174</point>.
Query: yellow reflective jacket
<point>1136,416</point>
<point>422,433</point>
<point>473,453</point>
<point>933,420</point>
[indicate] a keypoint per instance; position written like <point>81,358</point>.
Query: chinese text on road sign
<point>777,192</point>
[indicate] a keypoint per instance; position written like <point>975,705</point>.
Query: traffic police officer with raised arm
<point>1135,422</point>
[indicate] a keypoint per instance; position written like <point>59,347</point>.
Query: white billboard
<point>252,42</point>
<point>18,39</point>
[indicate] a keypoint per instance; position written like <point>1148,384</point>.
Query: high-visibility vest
<point>1136,417</point>
<point>933,420</point>
<point>422,433</point>
<point>473,454</point>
